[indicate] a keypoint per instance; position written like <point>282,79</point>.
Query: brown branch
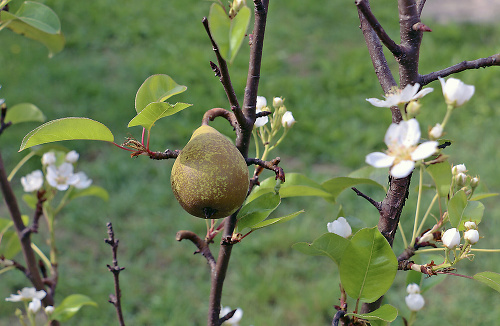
<point>211,114</point>
<point>223,73</point>
<point>270,165</point>
<point>3,113</point>
<point>420,7</point>
<point>364,8</point>
<point>115,299</point>
<point>202,246</point>
<point>376,204</point>
<point>490,61</point>
<point>164,155</point>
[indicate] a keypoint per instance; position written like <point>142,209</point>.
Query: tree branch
<point>211,114</point>
<point>115,299</point>
<point>376,204</point>
<point>202,246</point>
<point>270,165</point>
<point>490,61</point>
<point>223,73</point>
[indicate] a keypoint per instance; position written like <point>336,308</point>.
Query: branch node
<point>376,204</point>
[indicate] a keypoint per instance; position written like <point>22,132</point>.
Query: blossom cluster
<point>59,176</point>
<point>414,300</point>
<point>451,237</point>
<point>32,296</point>
<point>287,119</point>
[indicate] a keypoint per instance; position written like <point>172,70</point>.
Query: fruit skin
<point>210,176</point>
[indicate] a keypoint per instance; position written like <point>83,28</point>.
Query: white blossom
<point>277,102</point>
<point>409,93</point>
<point>287,120</point>
<point>72,157</point>
<point>470,225</point>
<point>261,103</point>
<point>61,177</point>
<point>34,305</point>
<point>49,158</point>
<point>472,236</point>
<point>27,294</point>
<point>436,131</point>
<point>460,168</point>
<point>451,238</point>
<point>456,92</point>
<point>83,180</point>
<point>33,181</point>
<point>415,301</point>
<point>413,288</point>
<point>474,182</point>
<point>340,227</point>
<point>261,121</point>
<point>49,310</point>
<point>460,179</point>
<point>401,140</point>
<point>238,314</point>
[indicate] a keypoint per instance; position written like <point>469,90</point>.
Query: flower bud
<point>49,158</point>
<point>460,179</point>
<point>470,225</point>
<point>415,301</point>
<point>436,132</point>
<point>34,305</point>
<point>451,238</point>
<point>413,288</point>
<point>72,157</point>
<point>278,102</point>
<point>474,182</point>
<point>340,227</point>
<point>413,109</point>
<point>49,310</point>
<point>287,120</point>
<point>472,236</point>
<point>460,168</point>
<point>456,92</point>
<point>261,103</point>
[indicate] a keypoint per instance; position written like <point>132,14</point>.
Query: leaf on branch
<point>37,22</point>
<point>329,244</point>
<point>441,174</point>
<point>67,129</point>
<point>70,306</point>
<point>276,220</point>
<point>90,191</point>
<point>336,186</point>
<point>24,112</point>
<point>254,212</point>
<point>156,88</point>
<point>386,313</point>
<point>491,279</point>
<point>456,206</point>
<point>155,111</point>
<point>368,266</point>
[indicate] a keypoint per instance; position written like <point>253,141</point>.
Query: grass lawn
<point>314,57</point>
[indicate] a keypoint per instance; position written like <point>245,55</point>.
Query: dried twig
<point>202,246</point>
<point>115,299</point>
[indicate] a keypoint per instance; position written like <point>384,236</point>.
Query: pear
<point>210,176</point>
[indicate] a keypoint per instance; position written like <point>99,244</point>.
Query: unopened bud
<point>460,168</point>
<point>460,179</point>
<point>436,132</point>
<point>278,102</point>
<point>472,236</point>
<point>451,238</point>
<point>413,109</point>
<point>470,225</point>
<point>474,182</point>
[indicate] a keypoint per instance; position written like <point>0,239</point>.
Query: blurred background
<point>315,58</point>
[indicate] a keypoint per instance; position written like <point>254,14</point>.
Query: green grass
<point>314,56</point>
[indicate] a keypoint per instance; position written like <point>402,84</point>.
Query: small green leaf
<point>155,111</point>
<point>257,211</point>
<point>37,22</point>
<point>456,206</point>
<point>30,200</point>
<point>67,129</point>
<point>441,174</point>
<point>9,245</point>
<point>336,185</point>
<point>276,220</point>
<point>238,30</point>
<point>90,191</point>
<point>24,112</point>
<point>483,196</point>
<point>156,88</point>
<point>489,278</point>
<point>70,306</point>
<point>386,313</point>
<point>329,244</point>
<point>368,266</point>
<point>220,25</point>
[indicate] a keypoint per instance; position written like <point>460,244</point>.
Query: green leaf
<point>70,306</point>
<point>489,278</point>
<point>38,22</point>
<point>473,212</point>
<point>237,31</point>
<point>90,191</point>
<point>336,185</point>
<point>329,244</point>
<point>30,200</point>
<point>386,313</point>
<point>380,176</point>
<point>296,185</point>
<point>156,88</point>
<point>441,174</point>
<point>368,265</point>
<point>67,129</point>
<point>456,206</point>
<point>155,111</point>
<point>483,196</point>
<point>10,245</point>
<point>257,211</point>
<point>276,220</point>
<point>220,25</point>
<point>24,112</point>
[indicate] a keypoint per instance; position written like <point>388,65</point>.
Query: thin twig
<point>115,299</point>
<point>202,246</point>
<point>270,165</point>
<point>164,155</point>
<point>375,203</point>
<point>211,114</point>
<point>490,61</point>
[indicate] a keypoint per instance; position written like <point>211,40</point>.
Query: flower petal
<point>402,169</point>
<point>392,134</point>
<point>379,103</point>
<point>408,93</point>
<point>409,133</point>
<point>423,92</point>
<point>424,150</point>
<point>379,160</point>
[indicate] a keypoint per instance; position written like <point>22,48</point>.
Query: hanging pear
<point>210,176</point>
